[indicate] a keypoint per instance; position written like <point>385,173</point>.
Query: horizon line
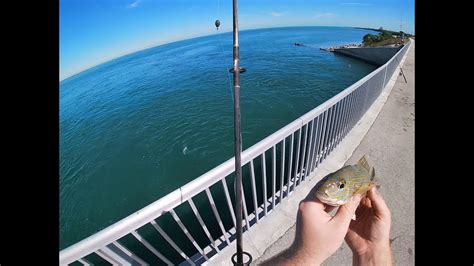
<point>183,39</point>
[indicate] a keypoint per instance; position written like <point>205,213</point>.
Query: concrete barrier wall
<point>375,55</point>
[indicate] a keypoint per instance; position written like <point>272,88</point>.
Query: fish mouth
<point>328,200</point>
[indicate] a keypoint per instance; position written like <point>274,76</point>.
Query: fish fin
<point>363,162</point>
<point>372,174</point>
<point>362,190</point>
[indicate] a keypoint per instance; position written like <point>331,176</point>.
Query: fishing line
<point>227,72</point>
<point>217,24</point>
<point>223,52</point>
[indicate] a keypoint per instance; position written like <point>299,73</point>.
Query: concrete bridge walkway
<point>389,145</point>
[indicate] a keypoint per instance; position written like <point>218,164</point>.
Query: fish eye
<point>341,186</point>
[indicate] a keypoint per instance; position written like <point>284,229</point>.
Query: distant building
<point>381,28</point>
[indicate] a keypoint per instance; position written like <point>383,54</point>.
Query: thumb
<point>346,212</point>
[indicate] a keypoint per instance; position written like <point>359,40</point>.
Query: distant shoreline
<point>366,28</point>
<point>381,30</point>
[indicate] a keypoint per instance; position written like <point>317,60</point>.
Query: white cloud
<point>134,4</point>
<point>276,14</point>
<point>324,15</point>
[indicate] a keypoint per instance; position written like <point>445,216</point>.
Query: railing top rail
<point>182,194</point>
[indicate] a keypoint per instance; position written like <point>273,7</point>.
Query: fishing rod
<point>401,70</point>
<point>237,139</point>
<point>403,74</point>
<point>236,70</point>
<point>237,143</point>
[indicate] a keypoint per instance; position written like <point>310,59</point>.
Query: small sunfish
<point>338,188</point>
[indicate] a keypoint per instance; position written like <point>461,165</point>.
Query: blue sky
<point>95,31</point>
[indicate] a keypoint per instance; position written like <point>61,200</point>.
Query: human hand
<point>369,235</point>
<point>318,234</point>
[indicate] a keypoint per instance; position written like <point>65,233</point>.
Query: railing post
<point>282,172</point>
<point>326,139</point>
<point>264,184</point>
<point>290,165</point>
<point>321,140</point>
<point>304,153</point>
<point>273,176</point>
<point>295,171</point>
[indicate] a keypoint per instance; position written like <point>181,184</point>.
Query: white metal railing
<point>310,138</point>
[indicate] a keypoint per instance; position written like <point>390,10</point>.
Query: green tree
<point>385,35</point>
<point>369,39</point>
